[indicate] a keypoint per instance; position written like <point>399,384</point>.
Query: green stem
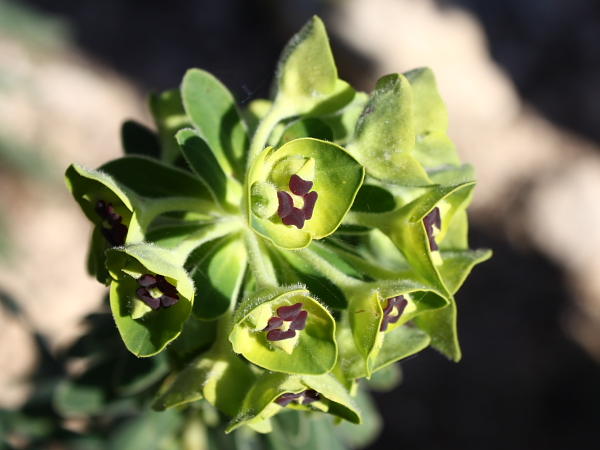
<point>333,273</point>
<point>209,233</point>
<point>151,209</point>
<point>223,328</point>
<point>261,136</point>
<point>260,263</point>
<point>363,264</point>
<point>373,220</point>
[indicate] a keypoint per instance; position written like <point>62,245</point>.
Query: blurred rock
<point>56,107</point>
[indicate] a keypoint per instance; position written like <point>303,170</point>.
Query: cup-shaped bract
<point>274,391</point>
<point>301,191</point>
<point>421,228</point>
<point>285,330</point>
<point>384,138</point>
<point>433,147</point>
<point>306,81</point>
<point>151,296</point>
<point>441,324</point>
<point>377,309</point>
<point>397,344</point>
<point>431,232</point>
<point>110,207</point>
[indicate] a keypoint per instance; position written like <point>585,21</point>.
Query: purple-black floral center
<point>169,292</point>
<point>278,330</point>
<point>433,225</point>
<point>302,398</point>
<point>289,214</point>
<point>116,232</point>
<point>398,304</point>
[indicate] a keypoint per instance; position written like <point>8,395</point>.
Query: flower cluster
<point>287,250</point>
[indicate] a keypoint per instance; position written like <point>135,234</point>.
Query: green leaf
<point>433,146</point>
<point>139,140</point>
<point>196,335</point>
<point>306,81</point>
<point>170,117</point>
<point>343,122</point>
<point>435,149</point>
<point>150,178</point>
<point>373,199</point>
<point>384,138</point>
<point>307,127</point>
<point>146,332</point>
<point>87,394</point>
<point>336,175</point>
<point>441,324</point>
<point>133,375</point>
<point>400,343</point>
<point>385,379</point>
<point>169,236</point>
<point>454,233</point>
<point>213,112</point>
<point>296,430</point>
<point>254,113</point>
<point>225,190</point>
<point>298,270</point>
<point>360,436</point>
<point>219,375</point>
<point>88,186</point>
<point>260,404</point>
<point>218,278</point>
<point>150,431</point>
<point>458,264</point>
<point>312,351</point>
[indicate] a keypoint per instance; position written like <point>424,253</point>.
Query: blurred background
<point>521,79</point>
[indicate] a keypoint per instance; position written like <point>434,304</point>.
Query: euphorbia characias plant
<point>282,253</point>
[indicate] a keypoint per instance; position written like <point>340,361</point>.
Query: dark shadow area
<point>550,48</point>
<point>154,43</point>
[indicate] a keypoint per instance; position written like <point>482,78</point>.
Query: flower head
<point>150,297</point>
<point>301,191</point>
<point>287,330</point>
<point>109,206</point>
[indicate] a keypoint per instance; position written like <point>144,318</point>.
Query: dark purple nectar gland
<point>289,214</point>
<point>300,187</point>
<point>286,204</point>
<point>169,297</point>
<point>310,200</point>
<point>302,398</point>
<point>296,217</point>
<point>431,220</point>
<point>117,232</point>
<point>293,314</point>
<point>399,303</point>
